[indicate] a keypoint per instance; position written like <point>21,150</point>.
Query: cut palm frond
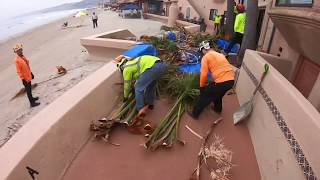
<point>185,89</point>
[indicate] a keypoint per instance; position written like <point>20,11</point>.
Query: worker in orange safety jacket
<point>223,80</point>
<point>24,73</point>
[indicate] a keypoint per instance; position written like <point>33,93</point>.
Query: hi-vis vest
<point>133,69</point>
<point>217,19</point>
<point>240,23</point>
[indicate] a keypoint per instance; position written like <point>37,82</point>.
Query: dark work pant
<point>27,87</point>
<point>95,23</point>
<point>237,38</point>
<point>212,93</point>
<point>217,28</point>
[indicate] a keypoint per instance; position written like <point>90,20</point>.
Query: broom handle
<point>266,69</point>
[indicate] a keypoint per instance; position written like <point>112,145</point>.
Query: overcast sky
<point>9,8</point>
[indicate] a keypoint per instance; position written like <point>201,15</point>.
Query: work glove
<point>32,75</point>
<point>202,89</point>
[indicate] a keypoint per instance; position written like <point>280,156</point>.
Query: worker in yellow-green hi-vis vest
<point>239,27</point>
<point>140,76</point>
<point>217,23</point>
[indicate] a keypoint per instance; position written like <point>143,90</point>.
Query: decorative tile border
<point>294,145</point>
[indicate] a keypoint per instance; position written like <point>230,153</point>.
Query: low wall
<point>106,46</point>
<point>50,140</point>
<point>190,27</point>
<point>284,126</point>
<point>285,67</point>
<point>163,19</point>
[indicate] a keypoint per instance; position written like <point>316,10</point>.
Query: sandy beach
<point>46,47</point>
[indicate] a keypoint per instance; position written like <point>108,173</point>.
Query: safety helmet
<point>121,63</point>
<point>17,47</point>
<point>204,45</point>
<point>240,8</point>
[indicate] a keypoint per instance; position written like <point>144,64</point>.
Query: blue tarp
<point>172,36</point>
<point>190,57</point>
<point>130,7</point>
<point>141,49</point>
<point>190,68</point>
<point>193,69</point>
<point>223,44</point>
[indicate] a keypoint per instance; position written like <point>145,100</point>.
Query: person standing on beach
<point>95,20</point>
<point>25,74</point>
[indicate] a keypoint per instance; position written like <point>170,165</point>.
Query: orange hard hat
<point>240,8</point>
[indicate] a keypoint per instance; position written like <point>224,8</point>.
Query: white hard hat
<point>121,63</point>
<point>205,45</point>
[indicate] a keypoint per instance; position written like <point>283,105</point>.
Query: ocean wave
<point>20,24</point>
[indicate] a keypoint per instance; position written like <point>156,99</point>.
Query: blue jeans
<point>145,87</point>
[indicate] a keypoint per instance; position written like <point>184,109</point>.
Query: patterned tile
<point>294,145</point>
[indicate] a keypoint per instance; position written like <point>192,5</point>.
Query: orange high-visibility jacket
<point>23,68</point>
<point>221,70</point>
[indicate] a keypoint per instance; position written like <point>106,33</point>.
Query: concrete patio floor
<point>130,160</point>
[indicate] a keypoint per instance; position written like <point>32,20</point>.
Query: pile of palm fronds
<point>171,50</point>
<point>192,40</point>
<point>185,89</point>
<point>168,50</point>
<point>122,115</point>
<point>198,38</point>
<point>167,28</point>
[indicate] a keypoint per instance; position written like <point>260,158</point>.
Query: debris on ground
<point>125,115</point>
<point>61,71</point>
<point>217,152</point>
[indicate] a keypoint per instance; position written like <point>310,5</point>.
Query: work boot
<point>35,98</point>
<point>216,109</point>
<point>151,107</point>
<point>34,104</point>
<point>191,114</point>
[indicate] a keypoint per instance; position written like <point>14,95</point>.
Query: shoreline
<point>19,34</point>
<point>46,47</point>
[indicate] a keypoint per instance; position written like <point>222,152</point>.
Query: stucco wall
<point>203,9</point>
<point>190,27</point>
<point>106,46</point>
<point>287,52</point>
<point>51,139</point>
<point>314,96</point>
<point>265,28</point>
<point>283,126</point>
<point>184,5</point>
<point>282,65</point>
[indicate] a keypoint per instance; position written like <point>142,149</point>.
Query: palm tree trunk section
<point>230,19</point>
<point>249,39</point>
